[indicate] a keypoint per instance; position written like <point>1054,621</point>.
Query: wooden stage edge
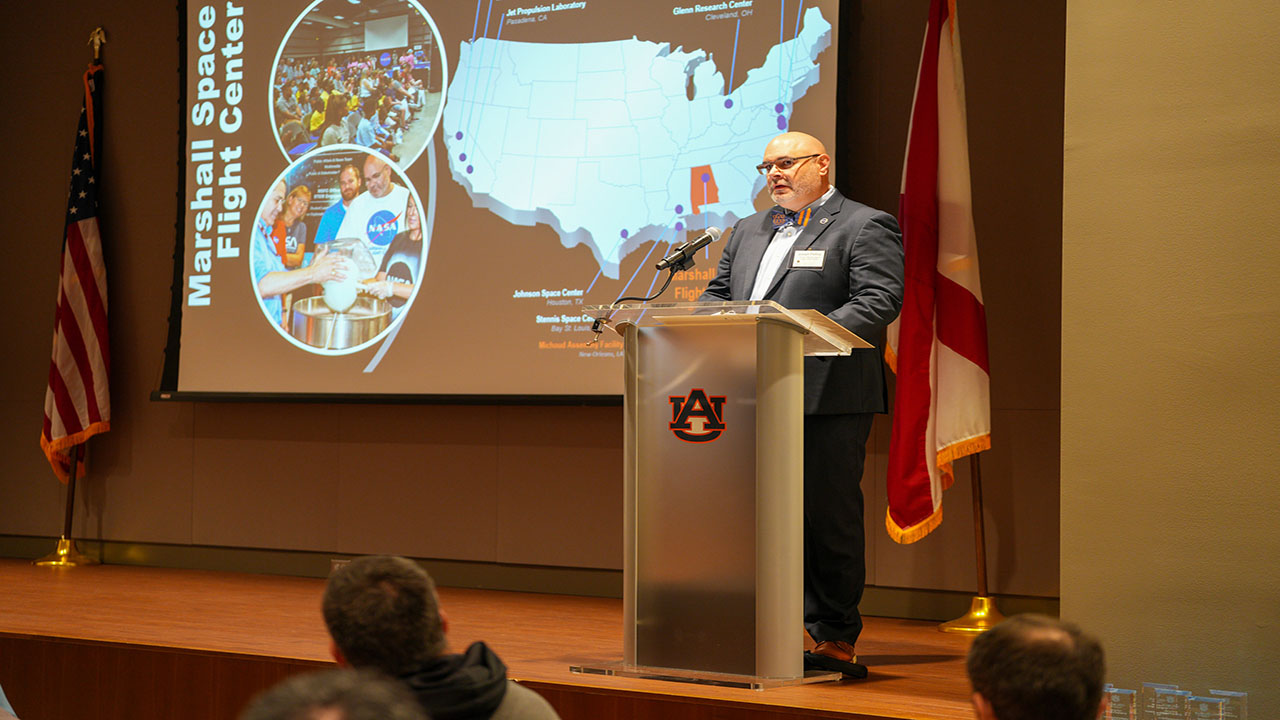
<point>129,642</point>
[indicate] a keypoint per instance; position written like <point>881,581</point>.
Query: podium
<point>714,489</point>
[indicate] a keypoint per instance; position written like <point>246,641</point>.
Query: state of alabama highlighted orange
<point>702,188</point>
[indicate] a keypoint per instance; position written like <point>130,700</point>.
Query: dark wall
<point>527,485</point>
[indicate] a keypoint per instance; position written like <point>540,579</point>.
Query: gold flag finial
<point>97,38</point>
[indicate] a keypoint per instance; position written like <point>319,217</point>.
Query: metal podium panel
<point>695,486</point>
<point>779,501</point>
<point>713,491</point>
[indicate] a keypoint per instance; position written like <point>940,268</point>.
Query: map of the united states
<point>601,141</point>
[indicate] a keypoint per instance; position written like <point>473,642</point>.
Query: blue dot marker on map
<point>777,108</point>
<point>469,169</point>
<point>679,209</point>
<point>679,226</point>
<point>706,177</point>
<point>624,234</point>
<point>782,122</point>
<point>457,135</point>
<point>728,102</point>
<point>462,157</point>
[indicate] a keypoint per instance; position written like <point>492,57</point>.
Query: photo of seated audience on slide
<point>343,288</point>
<point>367,74</point>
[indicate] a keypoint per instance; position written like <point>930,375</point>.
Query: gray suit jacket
<point>859,286</point>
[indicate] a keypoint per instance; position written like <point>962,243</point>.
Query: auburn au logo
<point>697,417</point>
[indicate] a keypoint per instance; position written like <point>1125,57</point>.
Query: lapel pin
<point>824,220</point>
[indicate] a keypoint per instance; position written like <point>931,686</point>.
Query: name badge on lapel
<point>808,259</point>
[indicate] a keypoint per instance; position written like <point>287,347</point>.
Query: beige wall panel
<point>419,481</point>
<point>873,495</point>
<point>1171,340</point>
<point>560,486</point>
<point>1013,55</point>
<point>1018,474</point>
<point>266,475</point>
<point>1019,494</point>
<point>31,498</point>
<point>140,485</point>
<point>875,97</point>
<point>943,560</point>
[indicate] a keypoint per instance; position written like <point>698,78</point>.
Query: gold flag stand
<point>66,554</point>
<point>983,613</point>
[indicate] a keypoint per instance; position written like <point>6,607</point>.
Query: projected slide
<point>400,197</point>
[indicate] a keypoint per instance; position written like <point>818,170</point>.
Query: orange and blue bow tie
<point>781,217</point>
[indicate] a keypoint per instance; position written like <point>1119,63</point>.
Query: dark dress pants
<point>835,447</point>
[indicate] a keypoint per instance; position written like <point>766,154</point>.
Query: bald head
<point>377,176</point>
<point>809,175</point>
<point>799,142</point>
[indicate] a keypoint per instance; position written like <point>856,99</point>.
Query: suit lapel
<point>821,219</point>
<point>751,253</point>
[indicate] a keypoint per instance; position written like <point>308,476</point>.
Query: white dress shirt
<point>779,246</point>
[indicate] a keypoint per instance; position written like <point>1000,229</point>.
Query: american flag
<point>77,404</point>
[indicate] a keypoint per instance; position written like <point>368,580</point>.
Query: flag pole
<point>983,613</point>
<point>66,554</point>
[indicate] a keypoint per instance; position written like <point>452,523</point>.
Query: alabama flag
<point>938,345</point>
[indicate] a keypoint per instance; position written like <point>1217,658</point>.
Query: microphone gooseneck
<point>682,258</point>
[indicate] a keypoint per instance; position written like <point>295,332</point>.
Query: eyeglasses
<point>782,163</point>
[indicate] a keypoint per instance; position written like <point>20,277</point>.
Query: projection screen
<point>392,197</point>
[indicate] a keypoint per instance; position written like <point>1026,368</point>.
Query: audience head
<point>1033,667</point>
<point>336,110</point>
<point>382,612</point>
<point>336,695</point>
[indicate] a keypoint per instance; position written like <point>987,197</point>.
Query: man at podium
<point>817,249</point>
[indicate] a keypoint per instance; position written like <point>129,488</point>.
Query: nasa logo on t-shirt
<point>382,227</point>
<point>399,270</point>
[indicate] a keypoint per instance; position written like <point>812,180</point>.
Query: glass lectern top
<point>823,336</point>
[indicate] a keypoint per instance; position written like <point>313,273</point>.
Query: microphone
<point>682,257</point>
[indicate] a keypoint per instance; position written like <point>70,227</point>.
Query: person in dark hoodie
<point>382,613</point>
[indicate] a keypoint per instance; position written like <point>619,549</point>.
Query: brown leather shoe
<point>835,656</point>
<point>836,650</point>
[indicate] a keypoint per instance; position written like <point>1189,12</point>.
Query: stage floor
<point>915,671</point>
